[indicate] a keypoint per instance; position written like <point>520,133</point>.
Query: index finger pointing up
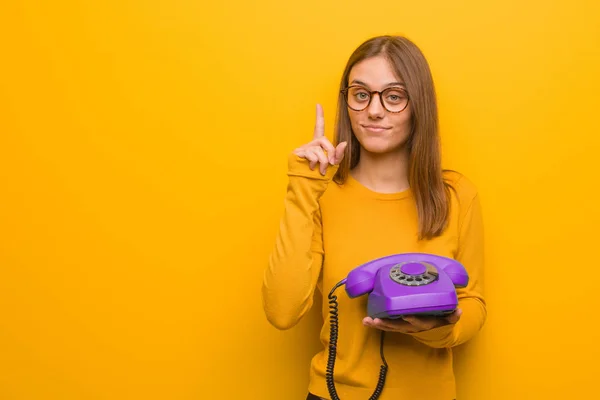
<point>320,123</point>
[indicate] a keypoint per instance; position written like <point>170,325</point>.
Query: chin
<point>377,145</point>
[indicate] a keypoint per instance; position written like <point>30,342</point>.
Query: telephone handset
<point>399,284</point>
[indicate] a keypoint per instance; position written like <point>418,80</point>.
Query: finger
<point>310,156</point>
<point>328,147</point>
<point>339,152</point>
<point>421,323</point>
<point>320,123</point>
<point>395,325</point>
<point>411,319</point>
<point>454,317</point>
<point>374,323</point>
<point>381,324</point>
<point>299,152</point>
<point>378,324</point>
<point>322,159</point>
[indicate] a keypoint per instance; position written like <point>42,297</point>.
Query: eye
<point>395,96</point>
<point>359,94</point>
<point>362,96</point>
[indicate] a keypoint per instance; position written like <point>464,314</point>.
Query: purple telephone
<point>410,283</point>
<point>399,284</point>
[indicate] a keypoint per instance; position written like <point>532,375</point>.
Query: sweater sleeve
<point>295,262</point>
<point>470,299</point>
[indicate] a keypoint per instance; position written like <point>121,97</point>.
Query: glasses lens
<point>394,99</point>
<point>358,98</point>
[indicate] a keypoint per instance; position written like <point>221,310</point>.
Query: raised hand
<point>320,150</point>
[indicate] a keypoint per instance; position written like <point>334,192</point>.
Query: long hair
<point>425,173</point>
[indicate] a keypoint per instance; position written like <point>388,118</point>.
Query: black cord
<point>382,371</point>
<point>333,336</point>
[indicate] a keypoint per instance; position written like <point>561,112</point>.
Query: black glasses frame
<point>371,93</point>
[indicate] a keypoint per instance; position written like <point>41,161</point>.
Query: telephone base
<point>392,315</point>
<point>436,305</point>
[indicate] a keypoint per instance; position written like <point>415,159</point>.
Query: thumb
<point>339,152</point>
<point>454,317</point>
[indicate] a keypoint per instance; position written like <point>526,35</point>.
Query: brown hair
<point>425,173</point>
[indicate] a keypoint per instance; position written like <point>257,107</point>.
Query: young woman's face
<point>378,130</point>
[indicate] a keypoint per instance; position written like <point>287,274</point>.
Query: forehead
<point>375,72</point>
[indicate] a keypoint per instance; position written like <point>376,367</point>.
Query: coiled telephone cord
<point>333,318</point>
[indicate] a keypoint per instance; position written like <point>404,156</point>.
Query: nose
<point>375,109</point>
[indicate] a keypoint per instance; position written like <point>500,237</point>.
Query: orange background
<point>142,162</point>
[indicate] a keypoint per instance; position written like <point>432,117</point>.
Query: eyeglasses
<point>393,99</point>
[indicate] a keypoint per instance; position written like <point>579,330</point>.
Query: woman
<point>379,191</point>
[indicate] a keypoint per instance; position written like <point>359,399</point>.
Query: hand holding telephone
<point>400,284</point>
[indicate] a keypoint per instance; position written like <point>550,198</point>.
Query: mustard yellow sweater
<point>328,229</point>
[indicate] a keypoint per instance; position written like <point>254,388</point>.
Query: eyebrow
<point>389,84</point>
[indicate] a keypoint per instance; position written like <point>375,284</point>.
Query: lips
<point>375,128</point>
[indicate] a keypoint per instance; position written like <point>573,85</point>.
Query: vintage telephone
<point>398,285</point>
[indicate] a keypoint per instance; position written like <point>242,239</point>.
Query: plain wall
<point>143,151</point>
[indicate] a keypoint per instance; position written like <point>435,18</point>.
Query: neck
<point>383,173</point>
